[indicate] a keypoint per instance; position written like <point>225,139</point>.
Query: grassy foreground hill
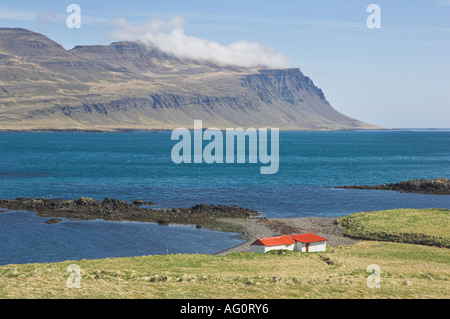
<point>407,271</point>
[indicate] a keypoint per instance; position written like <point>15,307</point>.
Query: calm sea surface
<point>138,166</point>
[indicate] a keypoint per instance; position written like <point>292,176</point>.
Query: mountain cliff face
<point>128,85</point>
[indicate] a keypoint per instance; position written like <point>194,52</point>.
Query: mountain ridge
<point>132,86</point>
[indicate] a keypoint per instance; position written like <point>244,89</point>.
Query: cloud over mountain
<point>169,36</point>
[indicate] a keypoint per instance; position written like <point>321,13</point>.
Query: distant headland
<point>437,186</point>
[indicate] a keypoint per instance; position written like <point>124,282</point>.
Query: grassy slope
<point>407,271</point>
<point>423,226</point>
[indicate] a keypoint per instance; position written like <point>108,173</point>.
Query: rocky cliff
<point>128,85</point>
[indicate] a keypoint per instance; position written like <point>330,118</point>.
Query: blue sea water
<point>25,238</point>
<point>138,165</point>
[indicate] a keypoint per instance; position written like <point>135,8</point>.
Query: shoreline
<point>245,223</point>
<point>255,228</point>
<point>157,129</point>
<point>83,208</point>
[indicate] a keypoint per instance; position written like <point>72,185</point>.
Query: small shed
<point>300,242</point>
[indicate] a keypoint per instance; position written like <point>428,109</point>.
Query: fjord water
<point>138,165</point>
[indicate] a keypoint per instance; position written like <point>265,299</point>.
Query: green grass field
<point>420,226</point>
<point>407,271</point>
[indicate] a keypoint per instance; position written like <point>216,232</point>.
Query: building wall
<point>264,249</point>
<point>257,249</point>
<point>318,246</point>
<point>285,247</point>
<point>298,246</point>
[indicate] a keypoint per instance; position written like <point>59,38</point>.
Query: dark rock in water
<point>114,209</point>
<point>113,202</point>
<point>140,202</point>
<point>200,207</point>
<point>53,220</point>
<point>438,186</point>
<point>86,201</point>
<point>162,222</point>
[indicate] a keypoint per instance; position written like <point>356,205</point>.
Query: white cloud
<point>169,36</point>
<point>444,2</point>
<point>45,17</point>
<point>17,14</point>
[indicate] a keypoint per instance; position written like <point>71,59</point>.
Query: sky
<point>395,75</point>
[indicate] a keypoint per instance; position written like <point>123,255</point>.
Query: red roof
<point>307,238</point>
<point>274,241</point>
<point>288,239</point>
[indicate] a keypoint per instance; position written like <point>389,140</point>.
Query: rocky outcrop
<point>128,85</point>
<point>53,220</point>
<point>114,209</point>
<point>438,186</point>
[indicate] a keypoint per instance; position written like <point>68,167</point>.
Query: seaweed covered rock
<point>114,209</point>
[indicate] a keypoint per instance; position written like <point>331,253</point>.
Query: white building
<point>301,242</point>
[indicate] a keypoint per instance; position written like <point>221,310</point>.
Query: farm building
<point>301,242</point>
